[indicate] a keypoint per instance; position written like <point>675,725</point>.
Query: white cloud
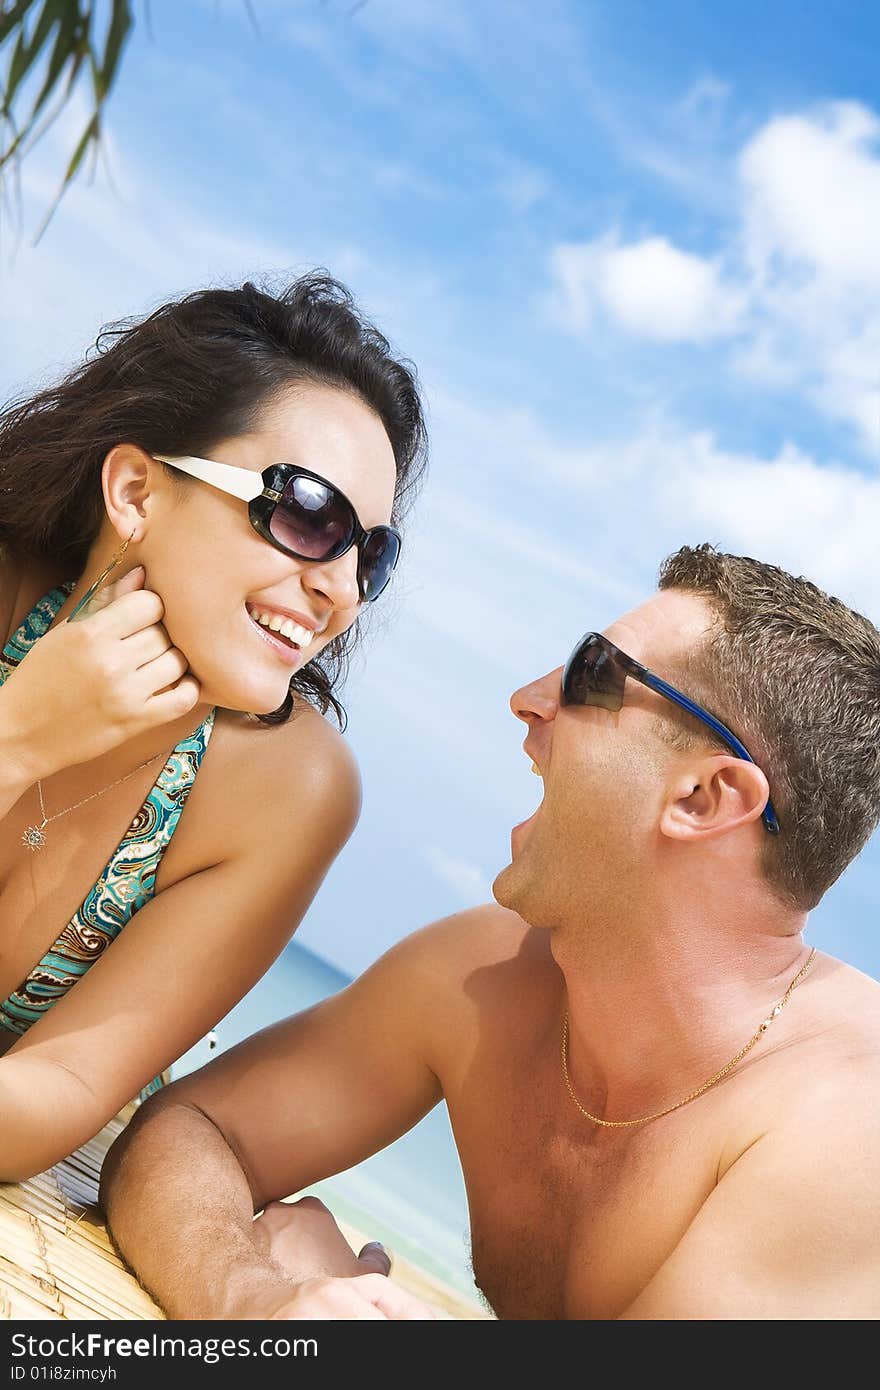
<point>580,528</point>
<point>811,207</point>
<point>614,507</point>
<point>821,521</point>
<point>794,281</point>
<point>811,518</point>
<point>466,880</point>
<point>650,288</point>
<point>811,189</point>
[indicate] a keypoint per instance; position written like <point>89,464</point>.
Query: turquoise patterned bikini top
<point>129,879</point>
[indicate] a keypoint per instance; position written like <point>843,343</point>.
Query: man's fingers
<point>375,1258</point>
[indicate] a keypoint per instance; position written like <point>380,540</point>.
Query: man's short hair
<point>796,674</point>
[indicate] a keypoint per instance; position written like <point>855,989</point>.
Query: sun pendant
<point>33,837</point>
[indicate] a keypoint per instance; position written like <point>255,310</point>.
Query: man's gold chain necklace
<point>762,1029</point>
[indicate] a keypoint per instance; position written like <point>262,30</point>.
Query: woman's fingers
<point>126,584</point>
<point>162,671</point>
<point>146,645</point>
<point>89,686</point>
<point>173,702</point>
<point>129,612</point>
<point>391,1300</point>
<point>106,593</point>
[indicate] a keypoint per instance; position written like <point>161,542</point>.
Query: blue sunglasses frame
<point>597,668</point>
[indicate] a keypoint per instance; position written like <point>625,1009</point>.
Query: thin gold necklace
<point>762,1029</point>
<point>34,838</point>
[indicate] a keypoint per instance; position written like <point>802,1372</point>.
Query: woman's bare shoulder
<point>256,783</point>
<point>304,754</point>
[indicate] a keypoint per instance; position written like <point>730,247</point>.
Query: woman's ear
<point>128,479</point>
<point>711,796</point>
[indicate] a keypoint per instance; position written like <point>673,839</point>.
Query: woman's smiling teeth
<point>302,636</point>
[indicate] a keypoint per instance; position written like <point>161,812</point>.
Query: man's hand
<point>304,1239</point>
<point>332,1282</point>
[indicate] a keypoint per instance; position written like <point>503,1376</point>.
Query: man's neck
<point>650,1023</point>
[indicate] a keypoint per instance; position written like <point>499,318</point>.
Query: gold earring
<point>90,593</point>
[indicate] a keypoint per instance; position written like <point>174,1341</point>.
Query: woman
<point>212,499</point>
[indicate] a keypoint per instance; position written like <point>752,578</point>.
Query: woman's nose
<point>539,700</point>
<point>336,580</point>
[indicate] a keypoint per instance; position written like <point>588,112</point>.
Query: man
<point>665,1104</point>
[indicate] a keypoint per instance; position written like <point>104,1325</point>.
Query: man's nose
<point>538,702</point>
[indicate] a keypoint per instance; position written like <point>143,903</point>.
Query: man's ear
<point>712,796</point>
<point>128,479</point>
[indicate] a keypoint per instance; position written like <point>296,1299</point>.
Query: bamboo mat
<point>57,1261</point>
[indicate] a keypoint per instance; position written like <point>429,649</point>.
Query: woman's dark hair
<point>193,373</point>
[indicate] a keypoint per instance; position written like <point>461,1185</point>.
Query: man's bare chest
<point>571,1222</point>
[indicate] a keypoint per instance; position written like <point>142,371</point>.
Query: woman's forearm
<point>180,1211</point>
<point>44,1115</point>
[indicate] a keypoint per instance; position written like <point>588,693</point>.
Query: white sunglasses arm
<point>238,482</point>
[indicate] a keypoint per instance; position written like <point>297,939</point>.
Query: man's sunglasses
<point>303,515</point>
<point>596,672</point>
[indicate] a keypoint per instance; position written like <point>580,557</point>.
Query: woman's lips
<point>286,652</point>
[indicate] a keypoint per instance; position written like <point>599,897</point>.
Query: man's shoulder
<point>824,1144</point>
<point>462,969</point>
<point>462,974</point>
<point>845,1030</point>
<point>486,937</point>
<point>817,1094</point>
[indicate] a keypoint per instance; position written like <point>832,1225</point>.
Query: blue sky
<point>632,249</point>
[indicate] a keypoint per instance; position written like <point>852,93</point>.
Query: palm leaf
<point>65,15</point>
<point>14,15</point>
<point>65,42</point>
<point>120,27</point>
<point>72,48</point>
<point>27,50</point>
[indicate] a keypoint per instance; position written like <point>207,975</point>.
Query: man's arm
<point>305,1098</point>
<point>792,1230</point>
<point>207,1258</point>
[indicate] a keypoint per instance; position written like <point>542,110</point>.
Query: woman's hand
<point>86,687</point>
<point>367,1297</point>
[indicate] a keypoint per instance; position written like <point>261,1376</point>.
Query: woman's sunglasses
<point>596,672</point>
<point>303,515</point>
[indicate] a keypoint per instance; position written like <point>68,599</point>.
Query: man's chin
<point>509,886</point>
<point>523,888</point>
